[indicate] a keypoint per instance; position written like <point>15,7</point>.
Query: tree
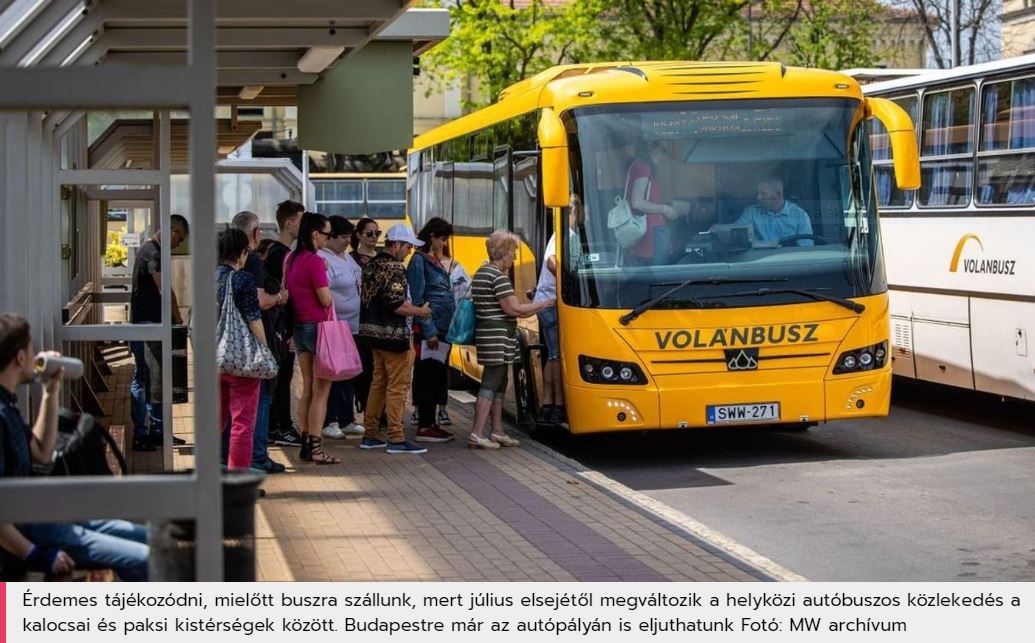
<point>499,43</point>
<point>978,35</point>
<point>835,34</point>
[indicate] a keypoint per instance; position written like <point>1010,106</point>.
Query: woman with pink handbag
<point>305,276</point>
<point>345,277</point>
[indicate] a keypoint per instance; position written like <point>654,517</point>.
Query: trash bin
<point>179,364</point>
<point>173,543</point>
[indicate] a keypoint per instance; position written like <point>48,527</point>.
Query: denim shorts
<point>549,334</point>
<point>305,338</point>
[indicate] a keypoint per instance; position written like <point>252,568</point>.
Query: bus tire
<point>524,393</point>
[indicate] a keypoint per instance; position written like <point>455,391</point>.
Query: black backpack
<point>81,448</point>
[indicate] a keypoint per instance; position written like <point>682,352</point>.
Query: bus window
<point>888,194</point>
<point>749,190</point>
<point>386,198</point>
<point>948,130</point>
<point>442,191</point>
<point>948,122</point>
<point>1007,124</point>
<point>340,196</point>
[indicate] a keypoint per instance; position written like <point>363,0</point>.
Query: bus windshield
<point>751,201</point>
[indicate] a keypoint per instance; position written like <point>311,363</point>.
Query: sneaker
<point>269,466</point>
<point>353,429</point>
<point>333,431</point>
<point>406,447</point>
<point>143,444</point>
<point>372,443</point>
<point>443,418</point>
<point>433,434</point>
<point>289,438</point>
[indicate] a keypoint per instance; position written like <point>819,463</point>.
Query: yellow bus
<point>354,195</point>
<point>742,310</point>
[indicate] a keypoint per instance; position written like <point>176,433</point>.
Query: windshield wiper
<point>651,303</point>
<point>812,293</point>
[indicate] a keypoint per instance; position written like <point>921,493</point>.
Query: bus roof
<point>567,86</point>
<point>958,73</point>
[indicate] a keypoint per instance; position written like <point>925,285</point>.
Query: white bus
<point>959,251</point>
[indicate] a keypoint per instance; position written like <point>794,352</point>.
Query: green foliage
<point>115,254</point>
<point>835,34</point>
<point>496,44</point>
<point>670,29</point>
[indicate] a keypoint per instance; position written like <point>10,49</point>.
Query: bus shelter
<point>347,66</point>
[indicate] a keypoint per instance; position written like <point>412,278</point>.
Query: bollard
<point>173,542</point>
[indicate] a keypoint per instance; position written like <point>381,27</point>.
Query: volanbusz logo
<point>744,359</point>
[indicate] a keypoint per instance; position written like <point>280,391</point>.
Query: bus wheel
<point>524,395</point>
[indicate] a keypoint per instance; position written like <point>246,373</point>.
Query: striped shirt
<point>495,335</point>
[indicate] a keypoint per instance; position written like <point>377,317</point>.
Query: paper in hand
<point>440,354</point>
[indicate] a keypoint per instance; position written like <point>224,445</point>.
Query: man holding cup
<point>54,548</point>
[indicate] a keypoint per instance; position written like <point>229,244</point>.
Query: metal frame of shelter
<point>62,58</point>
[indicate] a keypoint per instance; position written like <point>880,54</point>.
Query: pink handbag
<point>336,356</point>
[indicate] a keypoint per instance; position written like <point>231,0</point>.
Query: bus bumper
<point>804,395</point>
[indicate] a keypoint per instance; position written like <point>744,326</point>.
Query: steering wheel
<point>818,240</point>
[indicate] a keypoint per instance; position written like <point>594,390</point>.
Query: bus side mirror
<point>903,140</point>
<point>553,139</point>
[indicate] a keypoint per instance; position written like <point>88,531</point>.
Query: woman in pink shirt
<point>644,197</point>
<point>305,276</point>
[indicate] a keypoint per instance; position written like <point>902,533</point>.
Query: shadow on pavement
<point>926,421</point>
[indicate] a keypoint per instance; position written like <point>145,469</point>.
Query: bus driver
<point>774,218</point>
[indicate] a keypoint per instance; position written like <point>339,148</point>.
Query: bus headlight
<point>867,358</point>
<point>605,371</point>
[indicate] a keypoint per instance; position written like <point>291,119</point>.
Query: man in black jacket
<point>281,430</point>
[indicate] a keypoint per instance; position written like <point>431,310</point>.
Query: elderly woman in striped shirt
<point>496,309</point>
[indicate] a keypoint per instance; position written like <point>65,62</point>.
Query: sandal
<point>505,440</point>
<point>476,442</point>
<point>315,451</point>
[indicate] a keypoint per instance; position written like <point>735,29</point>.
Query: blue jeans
<point>341,404</point>
<point>140,408</point>
<point>548,333</point>
<point>260,448</point>
<point>97,544</point>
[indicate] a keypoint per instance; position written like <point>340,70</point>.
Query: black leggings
<point>430,388</point>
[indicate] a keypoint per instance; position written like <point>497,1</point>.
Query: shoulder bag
<point>627,226</point>
<point>461,326</point>
<point>238,351</point>
<point>337,357</point>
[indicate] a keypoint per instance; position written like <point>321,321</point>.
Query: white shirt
<point>546,289</point>
<point>345,278</point>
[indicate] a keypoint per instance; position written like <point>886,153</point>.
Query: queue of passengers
<point>399,316</point>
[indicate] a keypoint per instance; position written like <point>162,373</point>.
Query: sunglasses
<point>372,233</point>
<point>326,234</point>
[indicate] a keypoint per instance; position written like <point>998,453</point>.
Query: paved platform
<point>454,514</point>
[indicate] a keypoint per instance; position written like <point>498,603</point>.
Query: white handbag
<point>627,226</point>
<point>238,351</point>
